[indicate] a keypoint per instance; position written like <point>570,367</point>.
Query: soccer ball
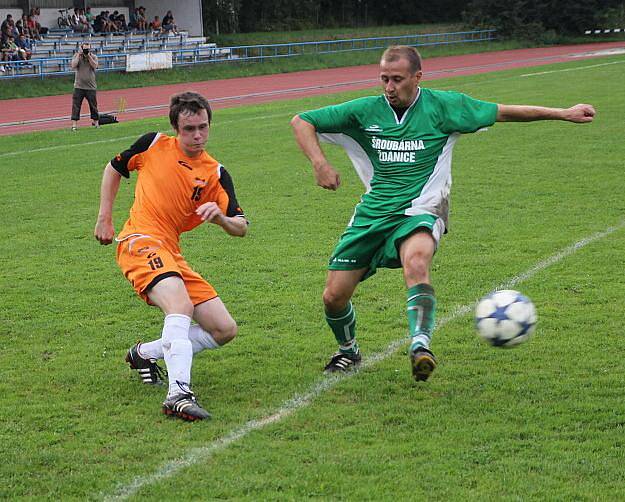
<point>505,318</point>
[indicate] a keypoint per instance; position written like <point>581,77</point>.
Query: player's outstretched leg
<point>148,369</point>
<point>421,310</point>
<point>184,405</point>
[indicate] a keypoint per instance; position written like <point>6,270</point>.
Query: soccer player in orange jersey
<point>179,186</point>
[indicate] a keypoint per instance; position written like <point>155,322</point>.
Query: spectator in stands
<point>132,18</point>
<point>35,12</point>
<point>34,28</point>
<point>9,30</point>
<point>156,26</point>
<point>74,20</point>
<point>120,23</point>
<point>110,24</point>
<point>99,25</point>
<point>22,25</point>
<point>84,23</point>
<point>5,28</point>
<point>142,21</point>
<point>89,16</point>
<point>24,45</point>
<point>169,24</point>
<point>84,63</point>
<point>10,50</point>
<point>76,23</point>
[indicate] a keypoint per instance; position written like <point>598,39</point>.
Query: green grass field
<point>544,421</point>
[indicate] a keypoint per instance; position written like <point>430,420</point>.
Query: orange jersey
<point>170,187</point>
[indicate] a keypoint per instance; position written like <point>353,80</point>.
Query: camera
<point>85,51</point>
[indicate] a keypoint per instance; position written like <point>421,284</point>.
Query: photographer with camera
<point>84,63</point>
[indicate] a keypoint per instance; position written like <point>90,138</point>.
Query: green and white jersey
<point>405,164</point>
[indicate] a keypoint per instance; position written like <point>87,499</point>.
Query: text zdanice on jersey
<point>397,151</point>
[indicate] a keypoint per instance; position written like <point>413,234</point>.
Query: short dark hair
<point>187,102</point>
<point>396,52</point>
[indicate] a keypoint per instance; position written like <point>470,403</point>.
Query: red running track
<point>52,112</point>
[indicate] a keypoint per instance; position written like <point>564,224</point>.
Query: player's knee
<point>417,268</point>
<point>226,333</point>
<point>333,300</point>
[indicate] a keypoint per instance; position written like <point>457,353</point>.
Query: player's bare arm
<point>232,225</point>
<point>580,113</point>
<point>104,230</point>
<point>306,137</point>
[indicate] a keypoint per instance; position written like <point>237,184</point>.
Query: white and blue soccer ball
<point>505,318</point>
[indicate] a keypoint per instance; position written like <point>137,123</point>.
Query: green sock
<point>421,309</point>
<point>343,325</point>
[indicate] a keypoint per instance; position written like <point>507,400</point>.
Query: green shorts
<point>371,244</point>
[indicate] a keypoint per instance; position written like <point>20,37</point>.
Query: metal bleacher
<point>53,53</point>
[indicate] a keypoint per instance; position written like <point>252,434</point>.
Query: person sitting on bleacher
<point>110,21</point>
<point>5,28</point>
<point>22,25</point>
<point>10,51</point>
<point>37,29</point>
<point>24,45</point>
<point>98,24</point>
<point>77,24</point>
<point>132,21</point>
<point>19,26</point>
<point>120,22</point>
<point>89,16</point>
<point>156,26</point>
<point>169,24</point>
<point>142,21</point>
<point>84,22</point>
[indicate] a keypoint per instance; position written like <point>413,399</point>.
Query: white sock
<point>151,350</point>
<point>177,350</point>
<point>200,339</point>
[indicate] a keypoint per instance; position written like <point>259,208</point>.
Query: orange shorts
<point>145,261</point>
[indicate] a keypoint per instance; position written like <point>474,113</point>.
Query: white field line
<point>133,137</point>
<point>298,401</point>
<point>571,69</point>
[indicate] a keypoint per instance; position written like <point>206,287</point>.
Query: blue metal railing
<point>60,65</point>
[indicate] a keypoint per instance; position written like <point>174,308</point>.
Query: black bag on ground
<point>107,118</point>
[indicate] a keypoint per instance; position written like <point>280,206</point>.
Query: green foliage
<point>541,422</point>
<point>234,16</point>
<point>530,19</point>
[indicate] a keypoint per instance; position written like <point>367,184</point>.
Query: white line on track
<point>201,454</point>
<point>571,69</point>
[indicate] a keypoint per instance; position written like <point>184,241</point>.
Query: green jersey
<point>404,163</point>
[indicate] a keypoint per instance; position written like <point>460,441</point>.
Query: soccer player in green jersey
<point>400,144</point>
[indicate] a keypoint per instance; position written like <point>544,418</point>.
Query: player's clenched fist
<point>209,212</point>
<point>104,232</point>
